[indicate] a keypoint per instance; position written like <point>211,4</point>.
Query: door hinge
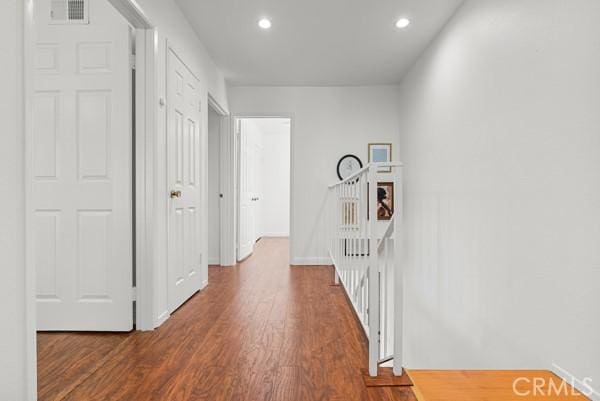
<point>133,293</point>
<point>132,61</point>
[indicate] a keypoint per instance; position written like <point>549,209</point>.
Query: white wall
<point>16,330</point>
<point>274,171</point>
<point>174,28</point>
<point>500,136</point>
<point>327,123</point>
<point>214,167</point>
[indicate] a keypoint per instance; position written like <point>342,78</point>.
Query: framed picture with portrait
<point>385,201</point>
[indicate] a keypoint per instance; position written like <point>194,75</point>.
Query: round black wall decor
<point>348,165</point>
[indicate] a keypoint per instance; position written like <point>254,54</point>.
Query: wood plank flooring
<point>490,385</point>
<point>260,331</point>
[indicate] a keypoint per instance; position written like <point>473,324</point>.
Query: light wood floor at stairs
<point>491,385</point>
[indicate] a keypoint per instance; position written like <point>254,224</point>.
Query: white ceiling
<point>316,42</point>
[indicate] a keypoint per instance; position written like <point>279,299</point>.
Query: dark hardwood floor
<point>260,331</point>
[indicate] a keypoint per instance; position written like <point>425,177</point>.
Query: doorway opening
<point>264,180</point>
<point>216,123</point>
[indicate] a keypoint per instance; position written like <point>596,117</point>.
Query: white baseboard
<point>161,318</point>
<point>311,261</point>
<point>286,235</point>
<point>214,260</point>
<point>164,316</point>
<point>579,385</point>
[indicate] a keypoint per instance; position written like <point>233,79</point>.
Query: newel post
<point>398,271</point>
<point>373,272</point>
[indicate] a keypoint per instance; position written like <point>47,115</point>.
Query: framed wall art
<point>381,153</point>
<point>385,201</point>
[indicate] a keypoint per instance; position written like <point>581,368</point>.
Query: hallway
<point>260,331</point>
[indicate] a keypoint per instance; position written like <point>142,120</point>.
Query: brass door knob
<point>175,194</point>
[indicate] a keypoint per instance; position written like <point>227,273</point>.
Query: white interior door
<point>80,163</point>
<point>249,194</point>
<point>256,186</point>
<point>183,165</point>
<point>246,215</point>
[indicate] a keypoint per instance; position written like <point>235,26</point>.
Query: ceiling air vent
<point>69,11</point>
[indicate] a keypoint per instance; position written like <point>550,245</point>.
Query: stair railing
<point>363,241</point>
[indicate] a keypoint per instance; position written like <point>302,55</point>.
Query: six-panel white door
<point>80,164</point>
<point>183,172</point>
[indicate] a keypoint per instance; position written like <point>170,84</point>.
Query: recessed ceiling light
<point>264,23</point>
<point>402,23</point>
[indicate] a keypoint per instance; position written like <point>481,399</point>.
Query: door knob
<point>175,194</point>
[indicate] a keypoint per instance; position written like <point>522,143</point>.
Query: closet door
<point>183,165</point>
<point>80,157</point>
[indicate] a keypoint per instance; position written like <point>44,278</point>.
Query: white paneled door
<point>256,149</point>
<point>183,169</point>
<point>80,164</point>
<point>249,192</point>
